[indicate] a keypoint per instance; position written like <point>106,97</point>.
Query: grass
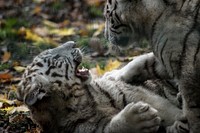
<point>96,12</point>
<point>4,66</point>
<point>9,28</point>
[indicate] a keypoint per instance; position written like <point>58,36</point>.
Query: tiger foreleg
<point>142,68</point>
<point>135,118</point>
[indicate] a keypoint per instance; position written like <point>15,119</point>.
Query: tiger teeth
<point>83,69</point>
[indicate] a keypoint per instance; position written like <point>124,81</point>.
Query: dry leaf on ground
<point>5,76</point>
<point>109,66</point>
<point>6,56</point>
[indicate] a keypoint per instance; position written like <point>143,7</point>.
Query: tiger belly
<point>123,94</point>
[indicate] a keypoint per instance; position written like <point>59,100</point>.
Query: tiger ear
<point>38,89</point>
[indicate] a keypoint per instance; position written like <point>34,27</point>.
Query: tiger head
<point>129,21</point>
<point>53,69</point>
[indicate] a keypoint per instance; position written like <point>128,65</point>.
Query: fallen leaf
<point>92,26</point>
<point>6,56</point>
<point>50,24</point>
<point>8,109</point>
<point>15,63</point>
<point>6,102</point>
<point>5,76</point>
<point>94,2</point>
<point>84,32</point>
<point>34,37</point>
<point>99,70</point>
<point>19,68</point>
<point>64,23</point>
<point>11,106</point>
<point>63,32</point>
<point>100,30</point>
<point>111,65</point>
<point>13,80</point>
<point>36,10</point>
<point>1,105</point>
<point>41,31</point>
<point>21,108</point>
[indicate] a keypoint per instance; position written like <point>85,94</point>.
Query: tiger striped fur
<point>173,30</point>
<point>62,98</point>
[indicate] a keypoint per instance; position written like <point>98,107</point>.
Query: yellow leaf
<point>109,67</point>
<point>50,24</point>
<point>112,65</point>
<point>9,109</point>
<point>12,106</point>
<point>99,30</point>
<point>34,37</point>
<point>6,56</point>
<point>63,32</point>
<point>92,26</point>
<point>99,70</point>
<point>19,68</point>
<point>4,100</point>
<point>12,109</point>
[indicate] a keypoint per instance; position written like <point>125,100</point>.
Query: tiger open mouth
<point>82,73</point>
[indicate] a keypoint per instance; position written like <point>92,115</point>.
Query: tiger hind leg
<point>137,117</point>
<point>190,90</point>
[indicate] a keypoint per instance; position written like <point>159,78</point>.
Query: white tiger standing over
<point>172,28</point>
<point>63,99</point>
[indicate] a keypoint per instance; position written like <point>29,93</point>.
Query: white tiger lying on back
<point>63,99</point>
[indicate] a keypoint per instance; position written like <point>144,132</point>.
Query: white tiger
<point>63,98</point>
<point>172,28</point>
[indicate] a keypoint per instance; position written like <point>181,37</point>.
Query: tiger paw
<point>134,71</point>
<point>138,118</point>
<point>179,126</point>
<point>113,75</point>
